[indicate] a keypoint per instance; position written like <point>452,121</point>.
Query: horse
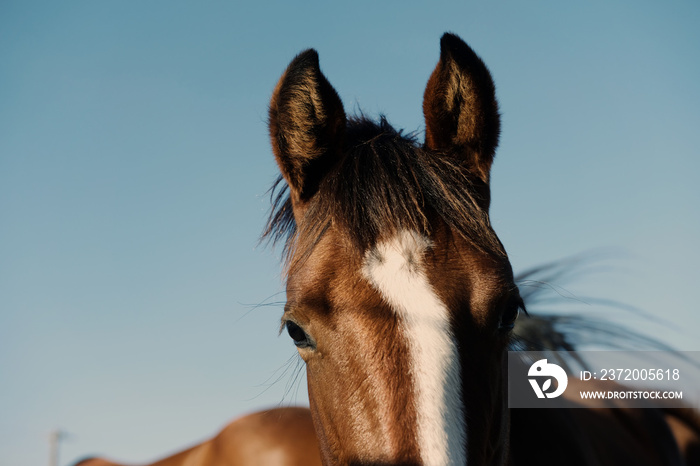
<point>285,436</point>
<point>401,299</point>
<point>275,437</point>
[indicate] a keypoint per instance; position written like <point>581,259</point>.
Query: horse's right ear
<point>307,125</point>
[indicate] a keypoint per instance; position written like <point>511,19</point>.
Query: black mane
<point>384,182</point>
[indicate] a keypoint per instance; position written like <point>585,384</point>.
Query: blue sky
<point>134,165</point>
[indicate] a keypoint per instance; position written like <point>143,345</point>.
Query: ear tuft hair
<point>460,108</point>
<point>307,124</point>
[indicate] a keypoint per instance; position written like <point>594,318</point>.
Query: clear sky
<point>134,165</point>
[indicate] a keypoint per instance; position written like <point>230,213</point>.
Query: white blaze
<point>396,269</point>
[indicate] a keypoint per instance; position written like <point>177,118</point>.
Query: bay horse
<point>401,299</point>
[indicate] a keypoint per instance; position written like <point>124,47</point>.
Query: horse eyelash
<point>521,306</point>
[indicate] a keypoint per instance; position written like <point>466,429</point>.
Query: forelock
<point>384,183</point>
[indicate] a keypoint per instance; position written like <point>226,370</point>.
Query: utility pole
<point>55,438</point>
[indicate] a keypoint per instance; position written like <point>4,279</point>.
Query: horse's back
<point>96,462</point>
<point>276,437</point>
<point>283,436</point>
<point>685,425</point>
<point>603,436</point>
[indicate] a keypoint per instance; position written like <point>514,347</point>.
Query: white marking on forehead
<point>396,269</point>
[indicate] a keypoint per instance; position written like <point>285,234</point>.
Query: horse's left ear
<point>460,108</point>
<point>307,126</point>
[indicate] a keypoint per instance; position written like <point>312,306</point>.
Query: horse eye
<point>301,339</point>
<point>509,316</point>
